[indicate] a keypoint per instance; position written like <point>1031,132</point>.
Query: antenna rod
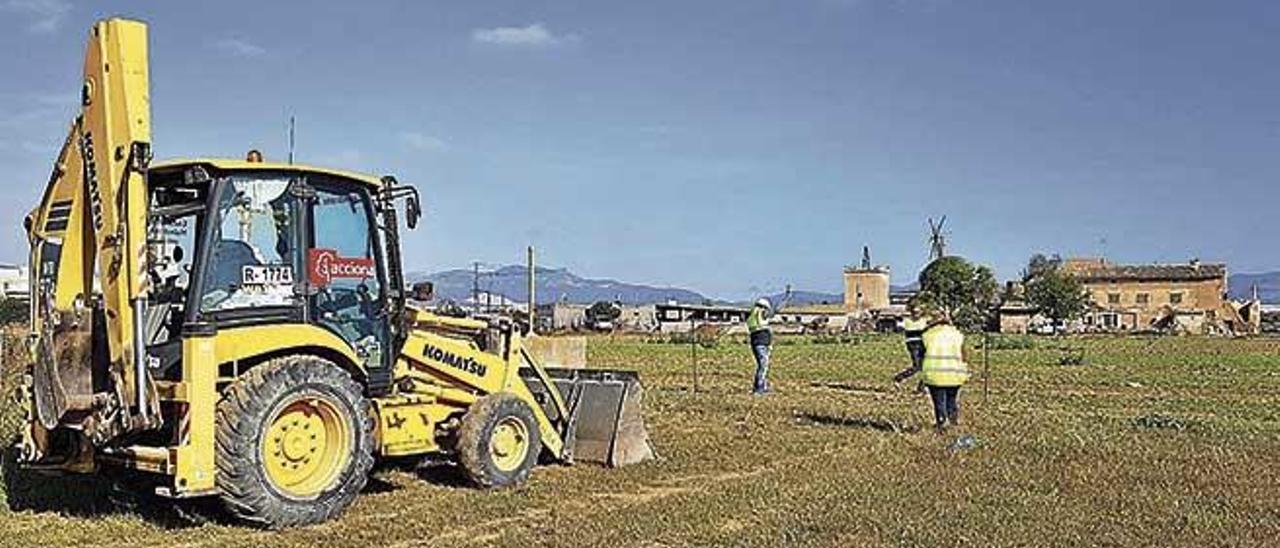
<point>291,139</point>
<point>475,287</point>
<point>533,302</point>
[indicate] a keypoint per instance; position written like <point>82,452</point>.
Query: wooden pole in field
<point>533,302</point>
<point>986,365</point>
<point>693,345</point>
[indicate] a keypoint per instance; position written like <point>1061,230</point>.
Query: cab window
<point>342,267</point>
<point>253,260</point>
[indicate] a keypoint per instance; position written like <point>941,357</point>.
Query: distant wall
<point>866,290</point>
<point>561,316</point>
<point>568,352</point>
<point>1018,323</point>
<point>1136,304</point>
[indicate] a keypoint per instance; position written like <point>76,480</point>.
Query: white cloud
<point>36,122</point>
<point>239,47</point>
<point>34,111</point>
<point>422,142</point>
<point>532,36</point>
<point>46,15</point>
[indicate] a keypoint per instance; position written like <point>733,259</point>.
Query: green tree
<point>965,291</point>
<point>1056,293</point>
<point>1039,264</point>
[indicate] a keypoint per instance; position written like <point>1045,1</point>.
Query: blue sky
<point>730,147</point>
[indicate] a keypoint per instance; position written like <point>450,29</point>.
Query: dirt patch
<point>873,423</point>
<point>858,390</point>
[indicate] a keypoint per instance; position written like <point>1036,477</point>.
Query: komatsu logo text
<point>469,365</point>
<point>91,179</point>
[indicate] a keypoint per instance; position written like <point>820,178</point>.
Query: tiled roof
<point>1150,272</point>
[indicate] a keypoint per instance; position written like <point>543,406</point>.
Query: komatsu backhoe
<point>242,329</point>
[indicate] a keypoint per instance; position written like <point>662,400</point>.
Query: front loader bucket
<point>606,419</point>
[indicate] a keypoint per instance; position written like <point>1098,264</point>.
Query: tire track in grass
<point>645,494</point>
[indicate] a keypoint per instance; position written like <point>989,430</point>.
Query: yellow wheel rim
<point>509,444</point>
<point>306,446</point>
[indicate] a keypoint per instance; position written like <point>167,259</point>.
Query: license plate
<point>267,275</point>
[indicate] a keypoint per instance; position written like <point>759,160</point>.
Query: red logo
<point>324,265</point>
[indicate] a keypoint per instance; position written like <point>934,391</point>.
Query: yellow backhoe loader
<point>250,336</point>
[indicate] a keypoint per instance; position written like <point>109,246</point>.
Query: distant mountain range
<point>558,284</point>
<point>799,298</point>
<point>1240,286</point>
<point>553,284</point>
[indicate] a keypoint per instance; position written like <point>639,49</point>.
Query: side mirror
<point>412,211</point>
<point>423,291</point>
<point>392,191</point>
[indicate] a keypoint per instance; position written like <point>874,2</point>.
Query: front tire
<point>499,441</point>
<point>294,442</point>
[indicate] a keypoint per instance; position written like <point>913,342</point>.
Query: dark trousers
<point>915,348</point>
<point>946,404</point>
<point>761,352</point>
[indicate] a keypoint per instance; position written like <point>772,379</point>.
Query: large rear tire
<point>294,443</point>
<point>498,442</point>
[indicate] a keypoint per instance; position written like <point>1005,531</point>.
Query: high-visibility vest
<point>914,328</point>
<point>943,363</point>
<point>756,320</point>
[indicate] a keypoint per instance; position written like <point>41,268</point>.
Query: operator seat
<point>229,259</point>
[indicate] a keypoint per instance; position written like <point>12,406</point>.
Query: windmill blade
<point>937,238</point>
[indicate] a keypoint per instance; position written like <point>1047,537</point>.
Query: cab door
<point>347,290</point>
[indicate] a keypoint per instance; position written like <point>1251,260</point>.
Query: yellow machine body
<point>129,362</point>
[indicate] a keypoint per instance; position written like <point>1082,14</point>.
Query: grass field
<point>1152,442</point>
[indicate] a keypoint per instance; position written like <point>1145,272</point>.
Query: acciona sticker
<point>324,266</point>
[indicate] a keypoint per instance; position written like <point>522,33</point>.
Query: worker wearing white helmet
<point>761,340</point>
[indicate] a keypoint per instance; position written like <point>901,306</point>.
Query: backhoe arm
<point>92,221</point>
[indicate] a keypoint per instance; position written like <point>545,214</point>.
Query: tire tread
<point>241,414</point>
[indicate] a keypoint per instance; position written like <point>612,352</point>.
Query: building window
<point>1142,298</point>
<point>1175,298</point>
<point>1113,298</point>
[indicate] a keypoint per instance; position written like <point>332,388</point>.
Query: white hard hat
<point>763,302</point>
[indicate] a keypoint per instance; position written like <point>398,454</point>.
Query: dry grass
<point>1155,442</point>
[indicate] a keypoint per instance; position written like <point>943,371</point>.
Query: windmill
<point>937,239</point>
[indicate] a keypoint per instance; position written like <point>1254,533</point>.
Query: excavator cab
<point>232,245</point>
<point>242,244</point>
<point>241,329</point>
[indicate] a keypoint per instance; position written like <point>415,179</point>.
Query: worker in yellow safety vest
<point>913,327</point>
<point>944,370</point>
<point>761,339</point>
